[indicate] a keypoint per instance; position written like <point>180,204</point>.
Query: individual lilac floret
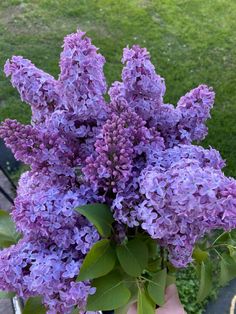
<point>182,204</point>
<point>82,82</point>
<point>141,86</point>
<point>195,109</point>
<point>34,85</point>
<point>37,267</point>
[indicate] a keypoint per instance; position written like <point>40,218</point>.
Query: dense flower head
<point>38,148</point>
<point>34,85</point>
<point>205,157</point>
<point>141,86</point>
<point>186,122</point>
<point>134,153</point>
<point>82,82</point>
<point>48,211</point>
<point>34,267</point>
<point>123,140</point>
<point>195,109</point>
<point>183,203</point>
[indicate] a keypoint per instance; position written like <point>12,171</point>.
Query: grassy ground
<point>191,42</point>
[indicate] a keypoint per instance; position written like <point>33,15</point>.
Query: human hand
<point>172,303</point>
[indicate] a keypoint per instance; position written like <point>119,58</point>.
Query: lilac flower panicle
<point>124,137</point>
<point>134,153</point>
<point>141,86</point>
<point>34,267</point>
<point>37,148</point>
<point>183,203</point>
<point>195,109</point>
<point>35,86</point>
<point>82,82</point>
<point>186,122</point>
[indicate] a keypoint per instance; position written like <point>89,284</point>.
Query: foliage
<point>194,283</point>
<point>34,305</point>
<point>99,215</point>
<point>185,39</point>
<point>114,288</point>
<point>8,233</point>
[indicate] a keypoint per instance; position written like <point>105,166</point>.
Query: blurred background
<point>190,41</point>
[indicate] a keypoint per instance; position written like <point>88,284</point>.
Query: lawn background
<point>191,42</point>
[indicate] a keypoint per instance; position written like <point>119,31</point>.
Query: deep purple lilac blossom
<point>134,153</point>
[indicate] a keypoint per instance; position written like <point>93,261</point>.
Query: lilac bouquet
<point>117,198</point>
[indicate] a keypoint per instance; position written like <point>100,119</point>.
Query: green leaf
<point>224,237</point>
<point>145,304</point>
<point>99,261</point>
<point>171,267</point>
<point>8,233</point>
<point>99,215</point>
<point>232,252</point>
<point>205,281</point>
<point>6,295</point>
<point>34,305</point>
<point>152,249</point>
<point>154,265</point>
<point>170,280</point>
<point>200,255</point>
<point>227,269</point>
<point>133,288</point>
<point>232,234</point>
<point>156,287</point>
<point>133,257</point>
<point>111,293</point>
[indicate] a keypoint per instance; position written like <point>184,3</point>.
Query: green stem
<point>221,235</point>
<point>219,245</point>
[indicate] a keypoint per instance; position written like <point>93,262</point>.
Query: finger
<point>132,309</point>
<point>172,293</point>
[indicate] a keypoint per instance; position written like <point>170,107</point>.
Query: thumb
<point>172,302</point>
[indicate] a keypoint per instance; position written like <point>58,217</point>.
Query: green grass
<point>191,42</point>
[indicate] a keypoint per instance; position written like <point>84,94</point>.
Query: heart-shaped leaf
<point>99,215</point>
<point>205,281</point>
<point>227,269</point>
<point>156,287</point>
<point>170,280</point>
<point>200,255</point>
<point>34,305</point>
<point>8,233</point>
<point>99,261</point>
<point>145,304</point>
<point>111,293</point>
<point>133,257</point>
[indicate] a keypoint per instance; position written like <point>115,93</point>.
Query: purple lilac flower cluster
<point>134,153</point>
<point>56,239</point>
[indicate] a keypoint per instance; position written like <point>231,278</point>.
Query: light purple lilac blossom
<point>134,153</point>
<point>36,87</point>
